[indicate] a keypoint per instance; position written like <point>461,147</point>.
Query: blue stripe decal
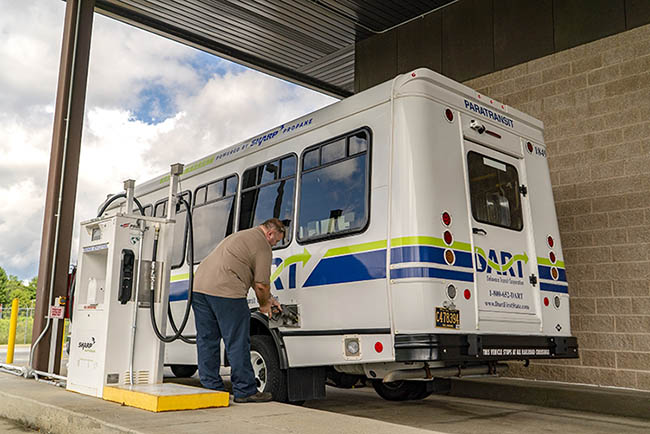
<point>403,273</point>
<point>545,273</point>
<point>349,268</point>
<point>178,290</point>
<point>553,288</point>
<point>436,255</point>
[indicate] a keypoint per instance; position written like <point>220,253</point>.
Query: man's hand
<point>270,306</point>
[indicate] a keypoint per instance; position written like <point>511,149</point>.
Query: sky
<point>150,102</point>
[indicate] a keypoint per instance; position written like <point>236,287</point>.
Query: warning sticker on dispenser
<point>56,312</point>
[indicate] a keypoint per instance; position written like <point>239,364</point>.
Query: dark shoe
<point>258,397</point>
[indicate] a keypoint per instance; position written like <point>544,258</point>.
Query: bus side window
<point>334,190</point>
<point>148,210</point>
<point>213,220</point>
<point>269,192</point>
<point>180,228</point>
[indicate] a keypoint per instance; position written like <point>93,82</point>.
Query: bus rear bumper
<point>475,347</point>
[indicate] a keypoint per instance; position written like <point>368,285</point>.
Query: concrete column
<point>63,171</point>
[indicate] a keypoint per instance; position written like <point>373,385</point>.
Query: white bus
<point>423,241</point>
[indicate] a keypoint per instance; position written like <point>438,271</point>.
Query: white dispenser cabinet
<point>115,257</point>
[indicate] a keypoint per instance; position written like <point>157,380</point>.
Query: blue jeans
<point>227,318</point>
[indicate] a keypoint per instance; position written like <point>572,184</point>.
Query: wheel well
<point>260,326</point>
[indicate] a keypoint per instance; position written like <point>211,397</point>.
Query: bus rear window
<point>494,192</point>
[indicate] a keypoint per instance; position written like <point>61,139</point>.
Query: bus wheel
<point>183,371</point>
<point>266,366</point>
<point>401,390</point>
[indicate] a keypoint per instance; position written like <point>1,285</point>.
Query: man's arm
<point>264,298</point>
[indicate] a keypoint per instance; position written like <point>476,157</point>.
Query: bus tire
<point>266,366</point>
<point>401,390</point>
<point>183,371</point>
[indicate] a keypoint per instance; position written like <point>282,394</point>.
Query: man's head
<point>273,230</point>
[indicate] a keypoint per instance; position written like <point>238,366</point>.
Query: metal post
<point>63,173</point>
<point>129,188</point>
<point>53,342</point>
<point>13,322</point>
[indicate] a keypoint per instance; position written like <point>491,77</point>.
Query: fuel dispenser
<point>121,305</point>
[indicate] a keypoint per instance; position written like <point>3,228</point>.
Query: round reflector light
<point>450,258</point>
<point>546,302</point>
<point>550,241</point>
<point>451,291</point>
<point>552,257</point>
<point>379,347</point>
<point>449,115</point>
<point>446,218</point>
<point>467,294</point>
<point>448,238</point>
<point>529,147</point>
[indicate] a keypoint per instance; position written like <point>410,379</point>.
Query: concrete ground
<point>350,411</point>
<point>56,410</point>
<point>21,354</point>
<point>456,415</point>
<point>10,426</point>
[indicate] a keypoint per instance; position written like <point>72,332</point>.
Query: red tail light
<point>550,241</point>
<point>448,238</point>
<point>446,218</point>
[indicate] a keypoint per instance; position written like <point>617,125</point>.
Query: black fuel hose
<point>190,242</point>
<point>177,331</point>
<point>114,198</point>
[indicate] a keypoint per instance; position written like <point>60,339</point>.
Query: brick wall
<point>594,100</point>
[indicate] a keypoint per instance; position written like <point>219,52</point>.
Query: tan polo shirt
<point>235,265</point>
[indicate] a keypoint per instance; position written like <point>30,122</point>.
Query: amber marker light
<point>554,273</point>
<point>450,258</point>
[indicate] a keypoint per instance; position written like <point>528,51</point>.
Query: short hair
<point>274,223</point>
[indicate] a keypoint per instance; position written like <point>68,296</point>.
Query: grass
<point>23,325</point>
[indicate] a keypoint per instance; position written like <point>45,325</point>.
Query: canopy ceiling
<point>310,42</point>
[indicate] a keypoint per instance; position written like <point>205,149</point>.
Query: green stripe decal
<point>430,241</point>
<point>547,262</point>
<point>300,257</point>
<point>178,277</point>
<point>356,248</point>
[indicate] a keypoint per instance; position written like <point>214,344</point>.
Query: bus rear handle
<point>479,231</point>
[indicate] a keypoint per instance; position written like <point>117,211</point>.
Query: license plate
<point>447,318</point>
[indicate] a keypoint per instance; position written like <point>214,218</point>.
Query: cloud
<point>150,102</point>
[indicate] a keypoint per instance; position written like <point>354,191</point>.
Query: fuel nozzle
<point>287,317</point>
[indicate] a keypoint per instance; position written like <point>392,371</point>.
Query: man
<point>239,262</point>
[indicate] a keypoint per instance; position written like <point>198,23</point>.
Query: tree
<point>11,287</point>
<point>4,295</point>
<point>32,287</point>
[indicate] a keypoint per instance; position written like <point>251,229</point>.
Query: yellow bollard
<point>12,331</point>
